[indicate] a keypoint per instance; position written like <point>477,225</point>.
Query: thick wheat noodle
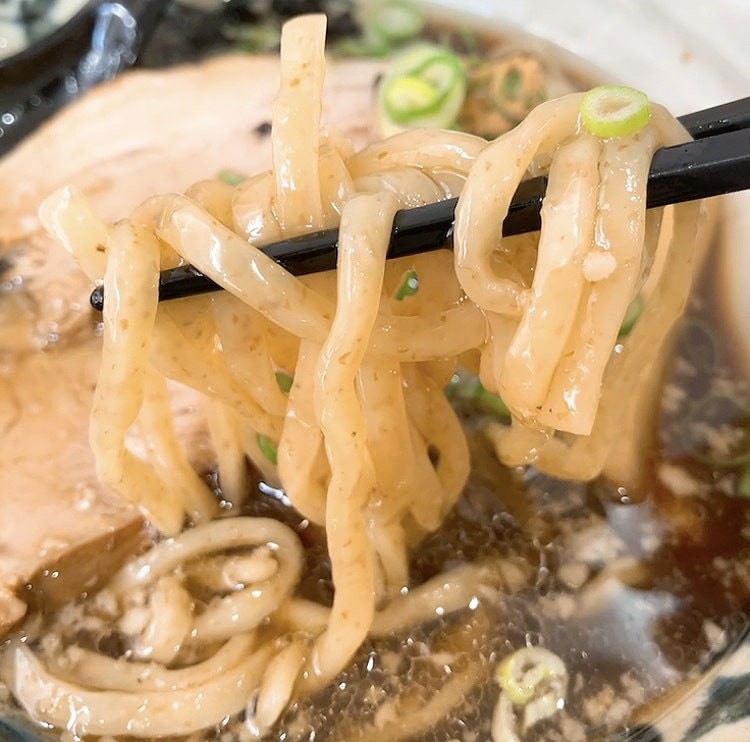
<point>166,453</point>
<point>486,198</point>
<point>253,209</point>
<point>296,126</point>
<point>128,324</point>
<point>426,483</point>
<point>573,396</point>
<point>585,457</point>
<point>587,461</point>
<point>301,444</point>
<point>95,670</point>
<point>278,683</point>
<point>244,342</point>
<point>68,216</point>
<point>219,535</point>
<point>365,441</point>
<point>443,594</point>
<point>145,714</point>
<point>408,713</point>
<point>414,187</point>
<point>380,381</point>
<point>363,243</point>
<point>410,722</point>
<point>527,368</point>
<point>245,272</point>
<point>336,183</point>
<point>427,148</point>
<point>170,621</point>
<point>198,363</point>
<point>263,284</point>
<point>223,427</point>
<point>387,535</point>
<point>215,196</point>
<point>433,417</point>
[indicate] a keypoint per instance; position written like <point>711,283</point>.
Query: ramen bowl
<point>687,58</point>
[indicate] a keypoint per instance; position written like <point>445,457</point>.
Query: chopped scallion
<point>267,448</point>
<point>230,177</point>
<point>522,673</point>
<point>425,86</point>
<point>284,380</point>
<point>409,285</point>
<point>254,37</point>
<point>631,317</point>
<point>396,21</point>
<point>466,386</point>
<point>491,403</point>
<point>614,111</point>
<point>410,96</point>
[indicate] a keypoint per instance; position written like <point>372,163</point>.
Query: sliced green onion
<point>410,96</point>
<point>492,404</point>
<point>425,86</point>
<point>396,21</point>
<point>614,111</point>
<point>631,317</point>
<point>254,37</point>
<point>422,90</point>
<point>463,385</point>
<point>267,448</point>
<point>409,285</point>
<point>284,380</point>
<point>230,177</point>
<point>522,673</point>
<point>466,386</point>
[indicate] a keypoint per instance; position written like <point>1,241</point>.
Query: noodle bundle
<point>333,388</point>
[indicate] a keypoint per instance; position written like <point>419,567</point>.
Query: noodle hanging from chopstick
<point>352,432</point>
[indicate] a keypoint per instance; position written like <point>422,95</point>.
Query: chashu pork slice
<point>143,134</point>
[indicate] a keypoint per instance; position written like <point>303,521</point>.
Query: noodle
<point>97,671</point>
<point>143,714</point>
<point>365,233</point>
<point>333,389</point>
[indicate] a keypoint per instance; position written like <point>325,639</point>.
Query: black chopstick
<point>717,162</point>
<point>718,119</point>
